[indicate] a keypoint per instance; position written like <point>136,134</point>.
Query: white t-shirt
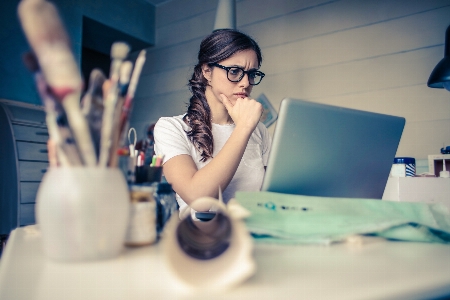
<point>171,140</point>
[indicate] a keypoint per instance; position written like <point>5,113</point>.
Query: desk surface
<point>376,269</point>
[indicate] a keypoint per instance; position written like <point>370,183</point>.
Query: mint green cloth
<point>285,218</point>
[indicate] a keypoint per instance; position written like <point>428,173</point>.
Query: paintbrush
<point>60,134</point>
<point>50,42</point>
<point>119,52</point>
<point>128,104</point>
<point>124,80</point>
<point>92,106</point>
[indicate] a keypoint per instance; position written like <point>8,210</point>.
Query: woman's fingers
<point>245,111</point>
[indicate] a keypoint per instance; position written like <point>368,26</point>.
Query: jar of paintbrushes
<point>82,205</point>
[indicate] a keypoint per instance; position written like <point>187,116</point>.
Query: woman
<point>219,142</point>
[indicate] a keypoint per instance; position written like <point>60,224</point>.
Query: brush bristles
<point>119,50</point>
<point>96,78</point>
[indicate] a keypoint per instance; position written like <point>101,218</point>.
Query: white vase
<point>82,213</point>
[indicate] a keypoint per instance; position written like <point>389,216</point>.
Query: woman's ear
<point>206,70</point>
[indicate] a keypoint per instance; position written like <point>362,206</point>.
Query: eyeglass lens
<point>236,74</point>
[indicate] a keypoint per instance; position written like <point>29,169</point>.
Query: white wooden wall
<point>373,55</point>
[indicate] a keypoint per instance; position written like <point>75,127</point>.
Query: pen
<point>153,163</point>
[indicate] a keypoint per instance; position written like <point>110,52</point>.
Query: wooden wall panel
<point>358,43</point>
<point>179,10</point>
<point>181,56</point>
<point>258,11</point>
<point>165,81</point>
<point>186,29</point>
<point>422,138</point>
<point>336,16</point>
<point>355,76</point>
<point>151,108</point>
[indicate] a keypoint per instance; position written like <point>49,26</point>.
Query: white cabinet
<point>23,162</point>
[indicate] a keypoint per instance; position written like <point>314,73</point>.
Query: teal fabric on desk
<point>284,218</point>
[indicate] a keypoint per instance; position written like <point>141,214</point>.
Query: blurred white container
<point>142,221</point>
<point>418,189</point>
<point>403,167</point>
<point>82,213</point>
<point>209,256</point>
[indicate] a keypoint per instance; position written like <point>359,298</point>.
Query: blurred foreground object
<point>82,136</point>
<point>209,255</point>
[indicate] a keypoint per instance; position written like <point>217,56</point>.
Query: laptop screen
<point>330,151</point>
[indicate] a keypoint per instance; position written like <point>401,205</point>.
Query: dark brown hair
<point>217,46</point>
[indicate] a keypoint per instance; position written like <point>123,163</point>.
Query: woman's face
<point>219,83</point>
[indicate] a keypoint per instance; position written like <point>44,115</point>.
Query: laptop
<point>330,151</point>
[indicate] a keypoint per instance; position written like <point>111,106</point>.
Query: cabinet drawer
<point>31,134</point>
<point>28,191</point>
<point>20,113</point>
<point>32,151</point>
<point>27,214</point>
<point>32,171</point>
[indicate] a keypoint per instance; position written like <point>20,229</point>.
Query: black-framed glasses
<point>235,74</point>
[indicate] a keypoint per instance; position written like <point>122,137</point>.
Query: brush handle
<point>80,129</point>
<point>48,38</point>
<point>128,104</point>
<point>106,140</point>
<point>67,153</point>
<point>119,51</point>
<point>50,42</point>
<point>113,157</point>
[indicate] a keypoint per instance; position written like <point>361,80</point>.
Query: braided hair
<point>217,46</point>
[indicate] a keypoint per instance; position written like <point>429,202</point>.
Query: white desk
<point>375,270</point>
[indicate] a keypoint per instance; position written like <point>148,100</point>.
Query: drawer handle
<point>42,133</point>
<point>43,151</point>
<point>43,170</point>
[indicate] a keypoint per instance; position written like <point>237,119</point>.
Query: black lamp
<point>440,77</point>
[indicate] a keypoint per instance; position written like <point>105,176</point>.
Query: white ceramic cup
<point>82,213</point>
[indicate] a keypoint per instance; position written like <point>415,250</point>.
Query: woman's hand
<point>245,112</point>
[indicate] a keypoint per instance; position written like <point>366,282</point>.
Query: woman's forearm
<point>191,183</point>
